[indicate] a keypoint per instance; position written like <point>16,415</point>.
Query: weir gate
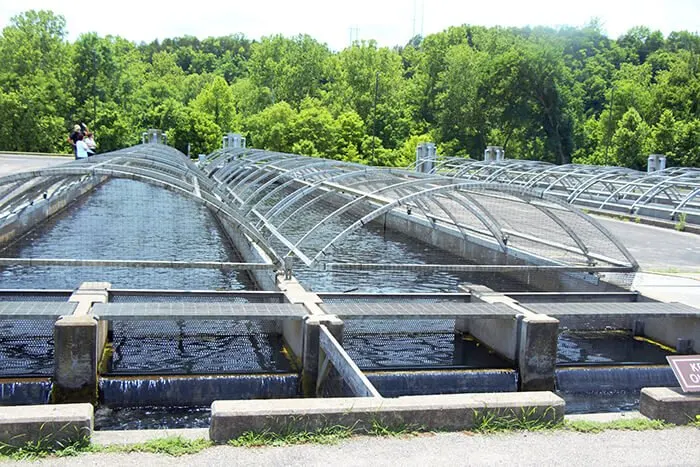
<point>139,279</point>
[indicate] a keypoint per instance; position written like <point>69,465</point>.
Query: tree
<point>630,142</point>
<point>216,99</point>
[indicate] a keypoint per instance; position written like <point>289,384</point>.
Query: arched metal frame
<point>155,164</point>
<point>306,206</point>
<point>666,194</point>
<point>294,205</point>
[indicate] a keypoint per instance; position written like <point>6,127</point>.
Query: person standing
<point>81,148</point>
<point>73,138</point>
<point>90,142</point>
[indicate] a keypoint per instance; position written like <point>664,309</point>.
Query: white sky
<point>389,22</point>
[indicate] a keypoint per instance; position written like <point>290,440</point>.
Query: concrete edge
<point>671,405</point>
<point>453,412</point>
<point>50,426</point>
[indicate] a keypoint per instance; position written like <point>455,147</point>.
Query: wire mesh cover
<point>26,347</point>
<point>137,298</point>
<point>127,220</point>
<point>197,347</point>
<point>414,344</point>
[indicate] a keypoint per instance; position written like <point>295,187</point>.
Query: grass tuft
<point>327,435</point>
<point>523,420</point>
<point>380,429</point>
<point>631,424</point>
<point>172,446</point>
<point>34,450</point>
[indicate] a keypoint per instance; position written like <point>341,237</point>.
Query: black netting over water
<point>191,347</point>
<point>26,347</point>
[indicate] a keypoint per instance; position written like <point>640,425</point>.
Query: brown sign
<point>687,371</point>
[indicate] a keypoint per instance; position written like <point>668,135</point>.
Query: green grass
<point>680,225</point>
<point>630,424</point>
<point>328,435</point>
<point>172,446</point>
<point>523,420</point>
<point>380,429</point>
<point>39,449</point>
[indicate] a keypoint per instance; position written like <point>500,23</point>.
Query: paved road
<point>11,163</point>
<point>657,249</point>
<point>678,446</point>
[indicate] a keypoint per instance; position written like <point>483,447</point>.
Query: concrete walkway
<point>12,163</point>
<point>656,249</point>
<point>677,446</point>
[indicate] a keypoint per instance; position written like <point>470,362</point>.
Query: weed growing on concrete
<point>327,435</point>
<point>524,420</point>
<point>381,429</point>
<point>680,225</point>
<point>172,446</point>
<point>632,424</point>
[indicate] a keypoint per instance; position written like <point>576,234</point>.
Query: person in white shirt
<point>90,142</point>
<point>81,148</point>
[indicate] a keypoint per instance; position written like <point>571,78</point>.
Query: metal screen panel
<point>180,310</point>
<point>655,309</point>
<point>37,310</point>
<point>413,310</point>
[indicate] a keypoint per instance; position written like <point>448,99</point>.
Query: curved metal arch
<point>484,216</point>
<point>234,167</point>
<point>346,207</point>
<point>600,177</point>
<point>305,206</point>
<point>685,201</point>
<point>289,173</point>
<point>286,184</point>
<point>653,190</point>
<point>528,168</point>
<point>260,171</point>
<point>386,208</point>
<point>309,189</point>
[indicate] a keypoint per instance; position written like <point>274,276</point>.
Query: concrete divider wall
<point>668,330</point>
<point>265,279</point>
<point>18,224</point>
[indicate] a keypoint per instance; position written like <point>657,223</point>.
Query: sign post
<point>687,371</point>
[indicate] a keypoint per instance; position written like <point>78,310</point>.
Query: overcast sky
<point>389,22</point>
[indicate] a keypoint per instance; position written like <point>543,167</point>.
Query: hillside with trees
<point>559,95</point>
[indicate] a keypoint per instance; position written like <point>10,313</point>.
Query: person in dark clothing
<point>75,136</point>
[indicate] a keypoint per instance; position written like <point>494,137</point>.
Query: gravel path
<point>677,446</point>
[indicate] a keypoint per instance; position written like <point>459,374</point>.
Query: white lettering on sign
<point>695,367</point>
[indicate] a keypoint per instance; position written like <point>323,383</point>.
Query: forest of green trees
<point>559,95</point>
